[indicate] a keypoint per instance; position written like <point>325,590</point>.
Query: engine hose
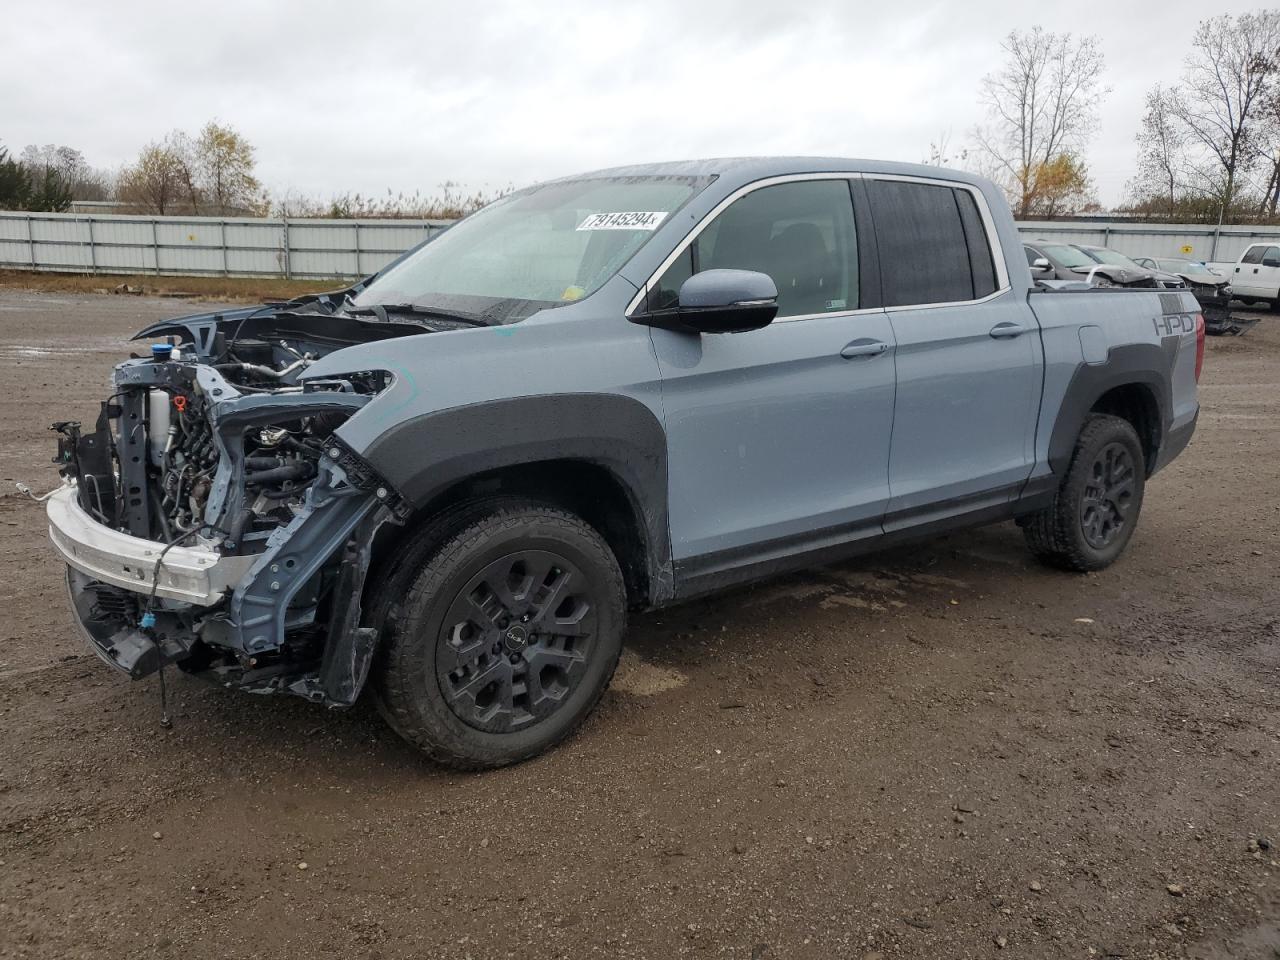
<point>283,494</point>
<point>264,463</point>
<point>294,471</point>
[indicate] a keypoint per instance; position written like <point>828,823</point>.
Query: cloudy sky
<point>365,96</point>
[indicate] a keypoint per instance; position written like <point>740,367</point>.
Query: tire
<point>1096,506</point>
<point>502,628</point>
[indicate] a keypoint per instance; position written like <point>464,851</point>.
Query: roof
<point>746,169</point>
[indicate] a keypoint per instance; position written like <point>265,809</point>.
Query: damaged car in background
<point>1099,266</point>
<point>1212,290</point>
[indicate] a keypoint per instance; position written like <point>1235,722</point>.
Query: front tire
<point>504,638</point>
<point>1096,507</point>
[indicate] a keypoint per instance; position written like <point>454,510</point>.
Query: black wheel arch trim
<point>426,455</point>
<point>1143,364</point>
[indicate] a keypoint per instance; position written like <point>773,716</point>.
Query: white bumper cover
<point>193,574</point>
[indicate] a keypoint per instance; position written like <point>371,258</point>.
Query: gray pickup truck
<point>613,391</point>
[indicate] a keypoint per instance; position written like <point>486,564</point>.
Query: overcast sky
<point>362,96</point>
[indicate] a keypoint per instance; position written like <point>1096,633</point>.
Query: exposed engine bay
<point>232,528</point>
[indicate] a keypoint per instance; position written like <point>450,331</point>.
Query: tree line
<point>1208,147</point>
<point>212,172</point>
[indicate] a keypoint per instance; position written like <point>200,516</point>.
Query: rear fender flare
<point>1145,364</point>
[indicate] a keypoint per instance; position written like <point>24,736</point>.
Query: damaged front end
<point>212,519</point>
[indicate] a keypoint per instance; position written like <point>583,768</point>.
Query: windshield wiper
<point>380,311</point>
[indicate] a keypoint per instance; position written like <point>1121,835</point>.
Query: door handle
<point>1007,330</point>
<point>863,347</point>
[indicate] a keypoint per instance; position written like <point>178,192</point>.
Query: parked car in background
<point>1099,265</point>
<point>1211,289</point>
<point>1256,277</point>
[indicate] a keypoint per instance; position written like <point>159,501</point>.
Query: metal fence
<point>1192,240</point>
<point>324,249</point>
<point>206,246</point>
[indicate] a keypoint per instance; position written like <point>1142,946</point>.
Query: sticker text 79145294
<point>632,220</point>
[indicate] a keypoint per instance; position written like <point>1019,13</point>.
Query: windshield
<point>1184,266</point>
<point>1103,255</point>
<point>542,247</point>
<point>1066,256</point>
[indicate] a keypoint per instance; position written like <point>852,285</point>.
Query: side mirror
<point>720,301</point>
<point>1041,263</point>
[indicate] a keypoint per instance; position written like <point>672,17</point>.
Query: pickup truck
<point>451,481</point>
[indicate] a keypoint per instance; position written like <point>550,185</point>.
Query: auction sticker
<point>633,220</point>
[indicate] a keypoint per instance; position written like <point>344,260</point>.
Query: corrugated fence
<point>213,246</point>
<point>208,246</point>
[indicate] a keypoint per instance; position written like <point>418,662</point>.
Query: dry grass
<point>229,289</point>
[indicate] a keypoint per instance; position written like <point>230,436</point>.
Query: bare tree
<point>1041,104</point>
<point>1267,140</point>
<point>1162,144</point>
<point>68,167</point>
<point>186,160</point>
<point>941,153</point>
<point>1227,79</point>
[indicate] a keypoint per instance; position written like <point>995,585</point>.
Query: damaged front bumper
<point>194,575</point>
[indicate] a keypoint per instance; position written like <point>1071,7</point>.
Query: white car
<point>1256,277</point>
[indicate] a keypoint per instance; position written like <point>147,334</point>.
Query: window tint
<point>923,254</point>
<point>975,236</point>
<point>800,234</point>
<point>1253,255</point>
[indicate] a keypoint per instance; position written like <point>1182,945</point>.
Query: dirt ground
<point>943,752</point>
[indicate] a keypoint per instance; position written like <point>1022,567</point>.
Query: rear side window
<point>924,254</point>
<point>1253,255</point>
<point>975,237</point>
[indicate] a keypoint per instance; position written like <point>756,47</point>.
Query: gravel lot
<point>942,752</point>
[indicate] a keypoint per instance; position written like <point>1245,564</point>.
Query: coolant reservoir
<point>158,424</point>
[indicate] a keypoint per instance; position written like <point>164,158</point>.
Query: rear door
<point>777,438</point>
<point>968,353</point>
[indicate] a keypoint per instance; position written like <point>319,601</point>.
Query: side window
<point>981,263</point>
<point>801,234</point>
<point>1032,256</point>
<point>1253,255</point>
<point>923,254</point>
<point>1271,254</point>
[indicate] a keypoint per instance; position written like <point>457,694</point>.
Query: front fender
<point>425,455</point>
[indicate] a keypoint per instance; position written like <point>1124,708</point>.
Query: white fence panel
<point>1196,241</point>
<point>320,249</point>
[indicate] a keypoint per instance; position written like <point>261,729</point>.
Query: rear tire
<point>1096,506</point>
<point>506,631</point>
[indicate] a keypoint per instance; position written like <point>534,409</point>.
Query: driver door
<point>778,439</point>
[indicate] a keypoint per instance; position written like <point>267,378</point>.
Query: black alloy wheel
<point>515,641</point>
<point>1108,495</point>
